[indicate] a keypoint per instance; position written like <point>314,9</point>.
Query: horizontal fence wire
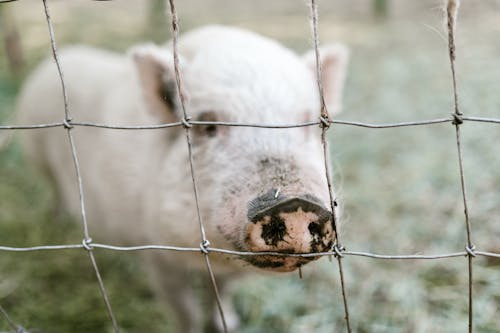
<point>450,120</point>
<point>343,252</point>
<point>457,119</point>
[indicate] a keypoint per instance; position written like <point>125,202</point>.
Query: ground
<point>400,187</point>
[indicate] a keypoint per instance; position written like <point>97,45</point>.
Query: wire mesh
<point>457,119</point>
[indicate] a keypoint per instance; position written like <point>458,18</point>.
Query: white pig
<point>259,189</point>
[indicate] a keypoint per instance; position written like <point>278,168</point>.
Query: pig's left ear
<point>334,61</point>
<point>155,69</point>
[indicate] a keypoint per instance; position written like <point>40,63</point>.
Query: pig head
<point>260,190</point>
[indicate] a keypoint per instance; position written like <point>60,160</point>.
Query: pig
<point>259,189</point>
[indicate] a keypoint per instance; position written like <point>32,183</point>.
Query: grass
<point>400,187</point>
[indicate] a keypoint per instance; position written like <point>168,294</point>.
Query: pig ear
<point>155,69</point>
<point>334,61</point>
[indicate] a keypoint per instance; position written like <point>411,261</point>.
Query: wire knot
<point>204,246</point>
<point>185,122</point>
<point>471,250</point>
<point>324,122</point>
<point>67,123</point>
<point>338,249</point>
<point>87,244</point>
<point>457,119</point>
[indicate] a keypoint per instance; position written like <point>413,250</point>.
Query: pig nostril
<point>314,229</point>
<point>274,231</point>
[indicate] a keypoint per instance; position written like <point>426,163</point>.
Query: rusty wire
<point>457,119</point>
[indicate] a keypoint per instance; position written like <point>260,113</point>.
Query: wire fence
<point>457,118</point>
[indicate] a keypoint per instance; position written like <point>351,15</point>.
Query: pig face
<point>263,189</point>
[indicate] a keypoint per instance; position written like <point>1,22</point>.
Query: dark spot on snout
<point>264,263</point>
<point>274,231</point>
<point>269,262</point>
<point>316,230</point>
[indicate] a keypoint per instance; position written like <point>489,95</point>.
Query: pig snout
<point>297,224</point>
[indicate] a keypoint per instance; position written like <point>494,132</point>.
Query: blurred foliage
<point>400,187</point>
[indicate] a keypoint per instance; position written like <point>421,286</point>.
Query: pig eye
<point>210,130</point>
<point>207,130</point>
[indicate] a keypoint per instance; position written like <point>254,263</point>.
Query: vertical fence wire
<point>451,20</point>
<point>204,245</point>
<point>67,124</point>
<point>16,328</point>
<point>325,124</point>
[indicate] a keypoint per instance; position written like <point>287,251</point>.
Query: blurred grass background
<point>400,187</point>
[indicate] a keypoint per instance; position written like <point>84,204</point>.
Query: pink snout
<point>288,225</point>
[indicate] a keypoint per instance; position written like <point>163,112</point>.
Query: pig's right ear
<point>334,60</point>
<point>155,69</point>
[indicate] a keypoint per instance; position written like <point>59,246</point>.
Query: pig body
<point>256,186</point>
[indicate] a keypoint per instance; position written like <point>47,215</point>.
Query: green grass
<point>400,189</point>
<point>57,291</point>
